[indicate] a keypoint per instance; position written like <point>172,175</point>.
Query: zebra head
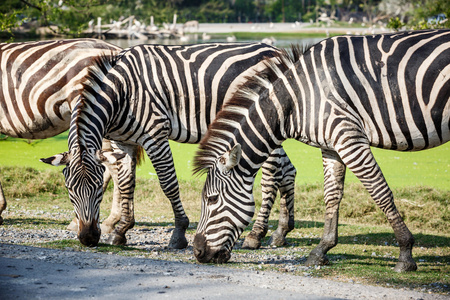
<point>224,214</point>
<point>83,174</point>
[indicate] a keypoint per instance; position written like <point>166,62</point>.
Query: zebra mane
<point>96,73</point>
<point>212,145</point>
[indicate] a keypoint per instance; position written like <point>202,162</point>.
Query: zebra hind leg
<point>334,176</point>
<point>373,180</point>
<point>178,239</point>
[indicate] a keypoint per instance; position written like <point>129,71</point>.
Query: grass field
<point>401,169</point>
<point>367,250</point>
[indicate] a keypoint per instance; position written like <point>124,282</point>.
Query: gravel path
<point>36,273</point>
<point>28,272</point>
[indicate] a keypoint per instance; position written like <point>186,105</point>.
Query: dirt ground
<point>40,273</point>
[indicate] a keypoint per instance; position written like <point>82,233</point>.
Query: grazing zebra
<point>156,93</point>
<point>40,82</point>
<point>342,95</point>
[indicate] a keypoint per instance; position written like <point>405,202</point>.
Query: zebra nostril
<point>89,235</point>
<point>198,253</point>
<point>200,249</point>
<point>222,257</point>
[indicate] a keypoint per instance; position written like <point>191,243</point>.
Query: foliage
<point>70,17</point>
<point>395,24</point>
<point>425,13</point>
<point>8,21</point>
<point>416,14</point>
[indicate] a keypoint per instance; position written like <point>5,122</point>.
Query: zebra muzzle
<point>205,254</point>
<point>89,234</point>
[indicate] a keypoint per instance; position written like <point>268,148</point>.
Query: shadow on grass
<point>35,221</point>
<point>386,238</point>
<point>157,224</point>
<point>373,239</point>
<point>423,260</point>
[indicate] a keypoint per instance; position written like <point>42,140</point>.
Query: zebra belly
<point>36,128</point>
<point>433,130</point>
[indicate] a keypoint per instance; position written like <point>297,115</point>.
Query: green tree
<point>286,10</point>
<point>244,10</point>
<point>422,10</point>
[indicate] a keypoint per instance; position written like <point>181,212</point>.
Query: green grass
<point>401,169</point>
<point>366,252</point>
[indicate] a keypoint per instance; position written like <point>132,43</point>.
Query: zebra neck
<point>87,128</point>
<point>261,130</point>
<point>298,95</point>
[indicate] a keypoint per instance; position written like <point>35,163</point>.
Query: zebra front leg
<point>261,226</point>
<point>286,220</point>
<point>359,159</point>
<point>286,187</point>
<point>123,173</point>
<point>112,172</point>
<point>127,206</point>
<point>2,203</point>
<point>162,160</point>
<point>334,177</point>
<point>278,173</point>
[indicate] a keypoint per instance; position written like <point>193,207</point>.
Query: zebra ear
<point>110,157</point>
<point>60,159</point>
<point>231,158</point>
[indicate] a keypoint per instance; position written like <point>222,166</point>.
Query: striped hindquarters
<point>39,82</point>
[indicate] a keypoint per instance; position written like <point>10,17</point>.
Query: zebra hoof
<point>315,259</point>
<point>277,240</point>
<point>178,240</point>
<point>1,220</point>
<point>405,266</point>
<point>117,239</point>
<point>251,242</point>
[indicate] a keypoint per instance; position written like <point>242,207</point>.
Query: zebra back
<point>188,84</point>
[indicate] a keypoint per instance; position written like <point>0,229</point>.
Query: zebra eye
<point>213,199</point>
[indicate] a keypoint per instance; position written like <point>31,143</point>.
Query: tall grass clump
<point>19,182</point>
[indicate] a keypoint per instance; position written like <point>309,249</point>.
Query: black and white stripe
<point>40,82</point>
<point>155,93</point>
<point>342,95</point>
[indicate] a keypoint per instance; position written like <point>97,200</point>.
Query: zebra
<point>341,95</point>
<point>40,82</point>
<point>155,93</point>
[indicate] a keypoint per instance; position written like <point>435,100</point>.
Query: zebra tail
<point>140,156</point>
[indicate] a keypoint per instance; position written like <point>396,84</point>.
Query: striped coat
<point>343,95</point>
